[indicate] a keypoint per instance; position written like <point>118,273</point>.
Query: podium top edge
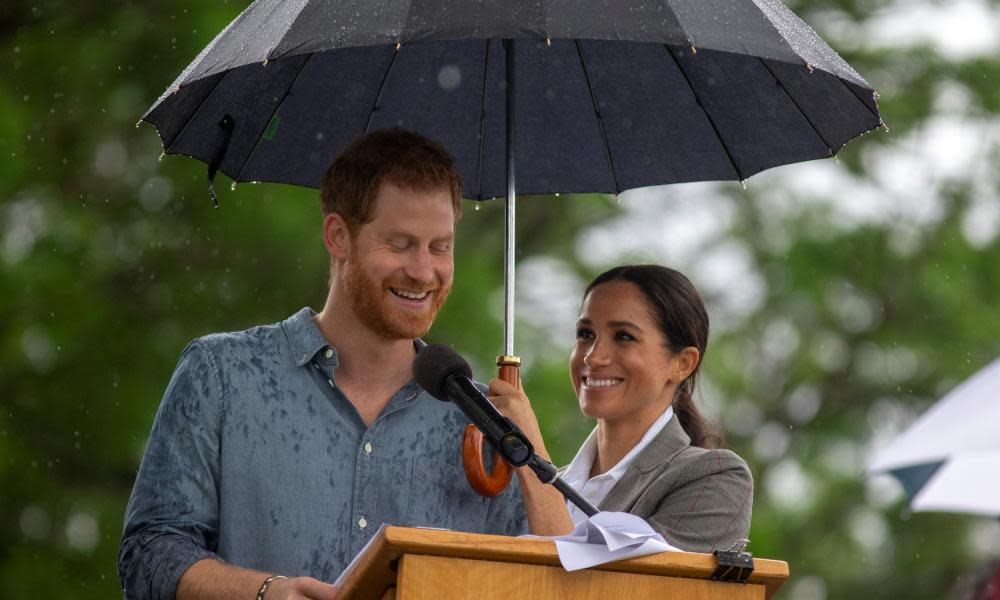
<point>396,541</point>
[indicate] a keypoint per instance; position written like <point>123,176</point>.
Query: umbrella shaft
<point>509,258</point>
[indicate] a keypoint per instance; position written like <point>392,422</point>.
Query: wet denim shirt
<point>256,457</point>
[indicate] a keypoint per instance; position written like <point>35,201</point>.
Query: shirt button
<point>368,447</point>
<point>329,353</point>
<point>362,523</point>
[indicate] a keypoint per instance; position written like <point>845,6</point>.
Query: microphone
<point>446,376</point>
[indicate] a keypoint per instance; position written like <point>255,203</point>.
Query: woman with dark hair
<point>641,337</point>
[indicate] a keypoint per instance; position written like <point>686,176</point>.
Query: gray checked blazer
<point>698,499</point>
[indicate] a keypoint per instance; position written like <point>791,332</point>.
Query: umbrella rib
<point>482,125</point>
<point>863,103</point>
<point>600,118</point>
<point>260,136</point>
<point>796,104</point>
<point>704,110</point>
<point>381,90</point>
<point>166,147</point>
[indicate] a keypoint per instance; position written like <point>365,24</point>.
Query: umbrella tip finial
<point>884,126</point>
<point>810,67</point>
<point>232,187</point>
<point>693,49</point>
<point>162,154</point>
<point>398,45</point>
<point>548,41</point>
<point>743,182</point>
<point>138,123</point>
<point>211,193</point>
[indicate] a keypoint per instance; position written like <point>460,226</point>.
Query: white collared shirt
<point>595,489</point>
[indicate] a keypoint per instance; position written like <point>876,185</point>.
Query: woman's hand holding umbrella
<point>546,507</point>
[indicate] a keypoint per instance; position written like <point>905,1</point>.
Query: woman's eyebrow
<point>624,324</point>
<point>586,321</point>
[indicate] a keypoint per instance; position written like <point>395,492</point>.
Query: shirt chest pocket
<point>440,496</point>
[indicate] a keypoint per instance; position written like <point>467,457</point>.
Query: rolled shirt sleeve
<point>172,518</point>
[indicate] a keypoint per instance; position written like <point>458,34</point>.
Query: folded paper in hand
<point>606,537</point>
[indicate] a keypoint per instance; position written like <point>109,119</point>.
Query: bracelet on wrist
<point>267,583</point>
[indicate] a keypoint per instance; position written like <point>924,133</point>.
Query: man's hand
<point>211,579</point>
<point>300,588</point>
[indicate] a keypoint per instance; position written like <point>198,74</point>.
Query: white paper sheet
<point>606,537</point>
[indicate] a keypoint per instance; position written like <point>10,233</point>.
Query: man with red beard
<point>278,451</point>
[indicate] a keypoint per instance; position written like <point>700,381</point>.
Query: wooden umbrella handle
<point>489,484</point>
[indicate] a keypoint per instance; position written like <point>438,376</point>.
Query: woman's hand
<point>515,405</point>
<point>546,508</point>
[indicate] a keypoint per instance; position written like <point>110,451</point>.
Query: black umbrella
<point>609,95</point>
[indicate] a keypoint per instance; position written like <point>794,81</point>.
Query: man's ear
<point>336,236</point>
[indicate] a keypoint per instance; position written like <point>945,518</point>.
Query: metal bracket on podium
<point>735,564</point>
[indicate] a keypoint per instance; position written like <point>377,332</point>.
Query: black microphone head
<point>434,365</point>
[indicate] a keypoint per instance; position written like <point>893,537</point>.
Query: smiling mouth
<point>603,382</point>
<point>409,295</point>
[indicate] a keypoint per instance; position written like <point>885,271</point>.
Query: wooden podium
<point>402,563</point>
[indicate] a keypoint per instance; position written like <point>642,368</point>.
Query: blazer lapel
<point>646,467</point>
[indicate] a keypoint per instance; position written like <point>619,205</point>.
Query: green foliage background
<point>110,261</point>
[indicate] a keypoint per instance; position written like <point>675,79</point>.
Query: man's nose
<point>421,266</point>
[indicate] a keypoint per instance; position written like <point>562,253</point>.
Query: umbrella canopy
<point>609,96</point>
<point>949,459</point>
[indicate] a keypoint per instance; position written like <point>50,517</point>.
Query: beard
<point>369,303</point>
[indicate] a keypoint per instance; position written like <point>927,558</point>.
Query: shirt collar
<point>578,471</point>
<point>306,340</point>
<point>304,337</point>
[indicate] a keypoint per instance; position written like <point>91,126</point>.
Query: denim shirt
<point>256,457</point>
